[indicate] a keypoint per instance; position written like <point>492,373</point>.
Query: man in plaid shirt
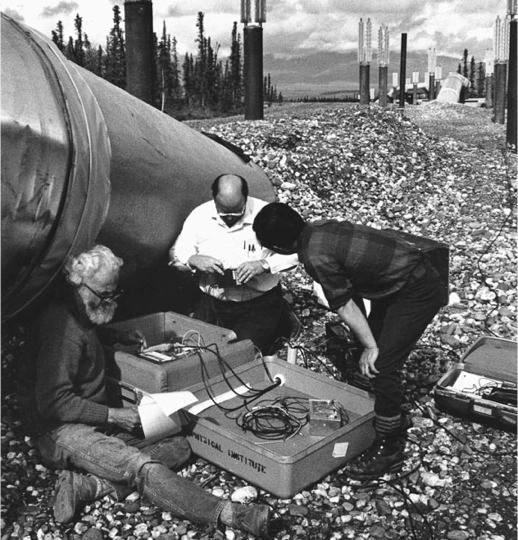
<point>351,261</point>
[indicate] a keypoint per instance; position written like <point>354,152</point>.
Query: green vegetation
<point>202,86</point>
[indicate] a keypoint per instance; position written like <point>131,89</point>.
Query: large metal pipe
<point>84,161</point>
<point>452,87</point>
<point>138,26</point>
<point>253,72</point>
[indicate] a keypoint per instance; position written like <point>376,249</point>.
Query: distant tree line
<point>475,72</point>
<point>322,99</point>
<point>200,85</point>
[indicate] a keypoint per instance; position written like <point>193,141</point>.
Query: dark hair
<point>277,224</point>
<point>215,184</point>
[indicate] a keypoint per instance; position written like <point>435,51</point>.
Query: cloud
<point>14,14</point>
<point>62,8</point>
<point>182,9</point>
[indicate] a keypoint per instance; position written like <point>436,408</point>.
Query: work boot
<point>250,518</point>
<point>385,455</point>
<point>73,491</point>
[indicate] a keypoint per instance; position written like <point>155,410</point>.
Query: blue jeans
<point>122,466</point>
<point>397,322</point>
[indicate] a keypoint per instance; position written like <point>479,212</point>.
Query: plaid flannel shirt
<point>348,259</point>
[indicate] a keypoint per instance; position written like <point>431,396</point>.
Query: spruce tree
<point>79,52</point>
<point>57,36</point>
<point>164,69</point>
<point>69,51</point>
<point>175,76</point>
<point>115,59</point>
<point>481,80</point>
<point>235,75</point>
<point>90,55</point>
<point>472,73</point>
<point>200,67</point>
<point>465,72</point>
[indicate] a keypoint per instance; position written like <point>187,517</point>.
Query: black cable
<point>305,353</point>
<point>224,366</point>
<point>277,419</point>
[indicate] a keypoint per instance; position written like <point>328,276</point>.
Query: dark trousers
<point>258,319</point>
<point>397,322</point>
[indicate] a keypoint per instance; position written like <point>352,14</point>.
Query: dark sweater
<point>63,376</point>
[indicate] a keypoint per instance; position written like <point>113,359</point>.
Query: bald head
<point>230,192</point>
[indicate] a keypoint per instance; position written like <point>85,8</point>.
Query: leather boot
<point>250,518</point>
<point>73,491</point>
<point>385,455</point>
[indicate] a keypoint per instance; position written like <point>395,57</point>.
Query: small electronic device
<point>166,352</point>
<point>325,416</point>
<point>228,279</point>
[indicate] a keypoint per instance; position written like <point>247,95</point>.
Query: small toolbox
<point>133,372</point>
<point>483,386</point>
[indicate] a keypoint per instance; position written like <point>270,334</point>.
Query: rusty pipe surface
<point>83,162</point>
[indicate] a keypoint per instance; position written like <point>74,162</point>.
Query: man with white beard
<point>64,404</point>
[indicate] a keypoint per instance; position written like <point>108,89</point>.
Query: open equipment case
<point>286,466</point>
<point>130,371</point>
<point>474,388</point>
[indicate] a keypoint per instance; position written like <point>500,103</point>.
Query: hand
<point>132,337</point>
<point>206,263</point>
<point>247,270</point>
<point>126,418</point>
<point>367,361</point>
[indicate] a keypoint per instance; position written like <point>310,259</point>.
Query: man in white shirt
<point>238,278</point>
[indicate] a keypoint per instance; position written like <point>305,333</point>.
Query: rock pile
<point>377,168</point>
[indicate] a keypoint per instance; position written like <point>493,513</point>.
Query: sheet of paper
<point>470,382</point>
<point>157,413</point>
<point>199,407</point>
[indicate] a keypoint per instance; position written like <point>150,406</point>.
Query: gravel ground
<point>437,170</point>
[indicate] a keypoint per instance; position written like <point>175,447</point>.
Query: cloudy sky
<point>293,27</point>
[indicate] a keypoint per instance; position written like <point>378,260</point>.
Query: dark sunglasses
<point>105,296</point>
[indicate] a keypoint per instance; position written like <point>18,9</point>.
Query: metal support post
<point>511,88</point>
<point>138,25</point>
<point>253,72</point>
<point>500,88</point>
<point>402,72</point>
<point>364,84</point>
<point>383,85</point>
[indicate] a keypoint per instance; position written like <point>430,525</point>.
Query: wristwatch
<point>265,265</point>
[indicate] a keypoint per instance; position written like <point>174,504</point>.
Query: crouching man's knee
<point>173,452</point>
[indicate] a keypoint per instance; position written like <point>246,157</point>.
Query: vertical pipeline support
<point>431,86</point>
<point>138,24</point>
<point>402,72</point>
<point>414,94</point>
<point>500,88</point>
<point>364,83</point>
<point>383,85</point>
<point>511,88</point>
<point>489,92</point>
<point>253,72</point>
